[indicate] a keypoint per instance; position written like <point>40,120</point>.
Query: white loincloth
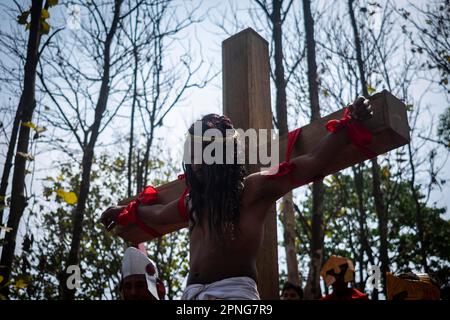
<point>237,288</point>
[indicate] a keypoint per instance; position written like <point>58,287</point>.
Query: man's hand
<point>109,216</point>
<point>360,109</point>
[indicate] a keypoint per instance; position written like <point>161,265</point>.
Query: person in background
<point>140,277</point>
<point>291,292</point>
<point>338,272</point>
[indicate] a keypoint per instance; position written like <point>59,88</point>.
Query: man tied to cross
<point>225,209</point>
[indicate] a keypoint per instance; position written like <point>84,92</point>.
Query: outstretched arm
<point>308,166</point>
<point>161,218</point>
<point>161,214</point>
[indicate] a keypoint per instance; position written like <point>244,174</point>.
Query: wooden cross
<point>247,101</point>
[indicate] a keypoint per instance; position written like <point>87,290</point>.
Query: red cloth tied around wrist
<point>129,213</point>
<point>358,134</point>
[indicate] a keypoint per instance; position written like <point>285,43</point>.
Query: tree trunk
<point>9,162</point>
<point>288,214</point>
<point>312,290</point>
<point>26,108</point>
<point>376,184</point>
<point>363,238</point>
<point>88,155</point>
<point>133,108</point>
<point>419,218</point>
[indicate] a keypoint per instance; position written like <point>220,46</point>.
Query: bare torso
<point>213,260</point>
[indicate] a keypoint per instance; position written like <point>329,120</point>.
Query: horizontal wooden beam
<point>389,126</point>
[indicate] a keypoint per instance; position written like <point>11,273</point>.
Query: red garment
<point>182,206</point>
<point>286,166</point>
<point>348,294</point>
<point>358,134</point>
<point>129,213</point>
<point>147,197</point>
<point>181,203</point>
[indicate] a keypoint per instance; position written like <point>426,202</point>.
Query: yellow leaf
<point>30,125</point>
<point>447,58</point>
<point>370,89</point>
<point>1,279</point>
<point>385,172</point>
<point>44,14</point>
<point>20,284</point>
<point>26,155</point>
<point>69,197</point>
<point>325,92</point>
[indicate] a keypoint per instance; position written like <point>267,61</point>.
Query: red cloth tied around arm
<point>129,213</point>
<point>357,133</point>
<point>182,207</point>
<point>287,166</point>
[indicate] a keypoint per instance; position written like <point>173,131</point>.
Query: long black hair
<point>216,189</point>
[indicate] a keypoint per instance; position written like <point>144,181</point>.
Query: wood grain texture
<point>247,102</point>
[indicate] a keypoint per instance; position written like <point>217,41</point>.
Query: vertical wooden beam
<point>247,101</point>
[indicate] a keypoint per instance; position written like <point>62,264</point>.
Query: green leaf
<point>20,284</point>
<point>29,124</point>
<point>370,89</point>
<point>23,17</point>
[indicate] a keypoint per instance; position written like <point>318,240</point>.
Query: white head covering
<point>136,262</point>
